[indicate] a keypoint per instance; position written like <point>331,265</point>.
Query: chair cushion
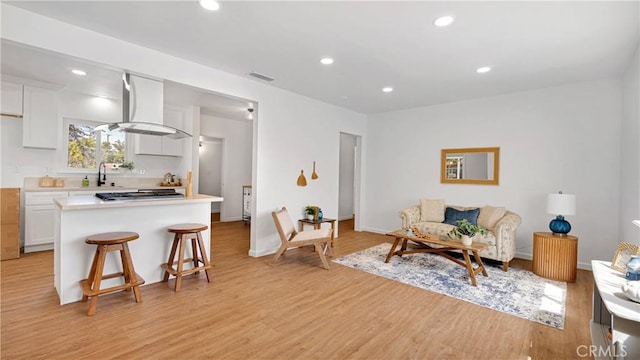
<point>312,234</point>
<point>432,210</point>
<point>451,216</point>
<point>490,215</point>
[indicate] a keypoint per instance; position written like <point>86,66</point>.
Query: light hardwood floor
<point>292,310</point>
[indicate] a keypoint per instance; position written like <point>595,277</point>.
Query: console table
<point>613,310</point>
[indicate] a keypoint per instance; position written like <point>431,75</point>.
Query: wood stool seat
<point>106,242</point>
<point>182,233</point>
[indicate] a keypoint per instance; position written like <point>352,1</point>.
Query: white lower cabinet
<point>39,220</point>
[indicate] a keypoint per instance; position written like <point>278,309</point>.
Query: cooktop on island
<point>142,194</point>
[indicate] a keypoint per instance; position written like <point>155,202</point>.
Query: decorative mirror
<point>470,166</point>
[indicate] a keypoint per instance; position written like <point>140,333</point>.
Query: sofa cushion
<point>432,210</point>
<point>490,215</point>
<point>451,215</point>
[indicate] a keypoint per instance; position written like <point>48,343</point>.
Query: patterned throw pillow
<point>489,216</point>
<point>431,210</point>
<point>451,216</point>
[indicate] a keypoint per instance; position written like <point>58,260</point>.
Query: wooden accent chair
<point>320,238</point>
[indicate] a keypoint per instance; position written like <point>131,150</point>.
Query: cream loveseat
<point>501,224</point>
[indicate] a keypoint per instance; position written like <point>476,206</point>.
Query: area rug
<point>517,292</point>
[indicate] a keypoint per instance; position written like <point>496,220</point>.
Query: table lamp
<point>560,204</point>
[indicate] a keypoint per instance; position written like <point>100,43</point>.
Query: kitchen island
<point>80,216</point>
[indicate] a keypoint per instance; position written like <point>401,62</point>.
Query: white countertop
<point>85,202</point>
<point>105,188</point>
<point>74,183</point>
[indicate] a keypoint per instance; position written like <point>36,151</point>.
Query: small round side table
<point>555,256</point>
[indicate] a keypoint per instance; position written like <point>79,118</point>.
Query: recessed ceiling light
<point>443,21</point>
<point>210,4</point>
<point>484,69</point>
<point>326,61</point>
<point>79,72</point>
<point>387,89</point>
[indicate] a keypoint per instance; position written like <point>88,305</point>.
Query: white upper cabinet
<point>11,98</point>
<point>148,145</point>
<point>161,145</point>
<point>40,118</point>
<point>173,117</point>
<point>145,100</point>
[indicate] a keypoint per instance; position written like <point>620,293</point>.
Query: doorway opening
<point>349,182</point>
<point>211,157</point>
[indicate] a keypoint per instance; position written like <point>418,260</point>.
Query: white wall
<point>563,138</point>
<point>238,138</point>
<point>630,154</point>
<point>281,135</point>
<point>347,154</point>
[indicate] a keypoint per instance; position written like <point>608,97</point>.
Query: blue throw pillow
<point>452,215</point>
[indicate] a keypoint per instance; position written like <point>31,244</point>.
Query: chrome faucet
<point>104,175</point>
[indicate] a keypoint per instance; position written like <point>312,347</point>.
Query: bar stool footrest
<point>171,270</point>
<point>87,291</point>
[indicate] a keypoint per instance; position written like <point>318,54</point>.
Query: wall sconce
<point>302,181</point>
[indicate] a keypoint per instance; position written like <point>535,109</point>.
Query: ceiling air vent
<point>260,76</point>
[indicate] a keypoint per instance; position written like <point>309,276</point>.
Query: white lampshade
<point>561,204</point>
<point>636,223</point>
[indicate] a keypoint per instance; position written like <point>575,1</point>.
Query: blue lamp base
<point>560,226</point>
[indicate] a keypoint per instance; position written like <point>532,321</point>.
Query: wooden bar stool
<point>184,232</point>
<point>105,243</point>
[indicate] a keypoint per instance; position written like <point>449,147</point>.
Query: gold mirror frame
<point>496,166</point>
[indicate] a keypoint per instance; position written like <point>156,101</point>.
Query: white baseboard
<point>41,247</point>
<point>585,266</point>
<point>375,230</point>
<point>228,219</point>
<point>345,218</point>
<point>253,253</point>
<point>521,255</point>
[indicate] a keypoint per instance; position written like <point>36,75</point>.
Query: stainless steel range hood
<point>142,102</point>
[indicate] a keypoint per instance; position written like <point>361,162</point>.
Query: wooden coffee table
<point>424,246</point>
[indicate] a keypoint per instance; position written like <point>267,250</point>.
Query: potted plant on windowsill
<point>465,231</point>
<point>127,166</point>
